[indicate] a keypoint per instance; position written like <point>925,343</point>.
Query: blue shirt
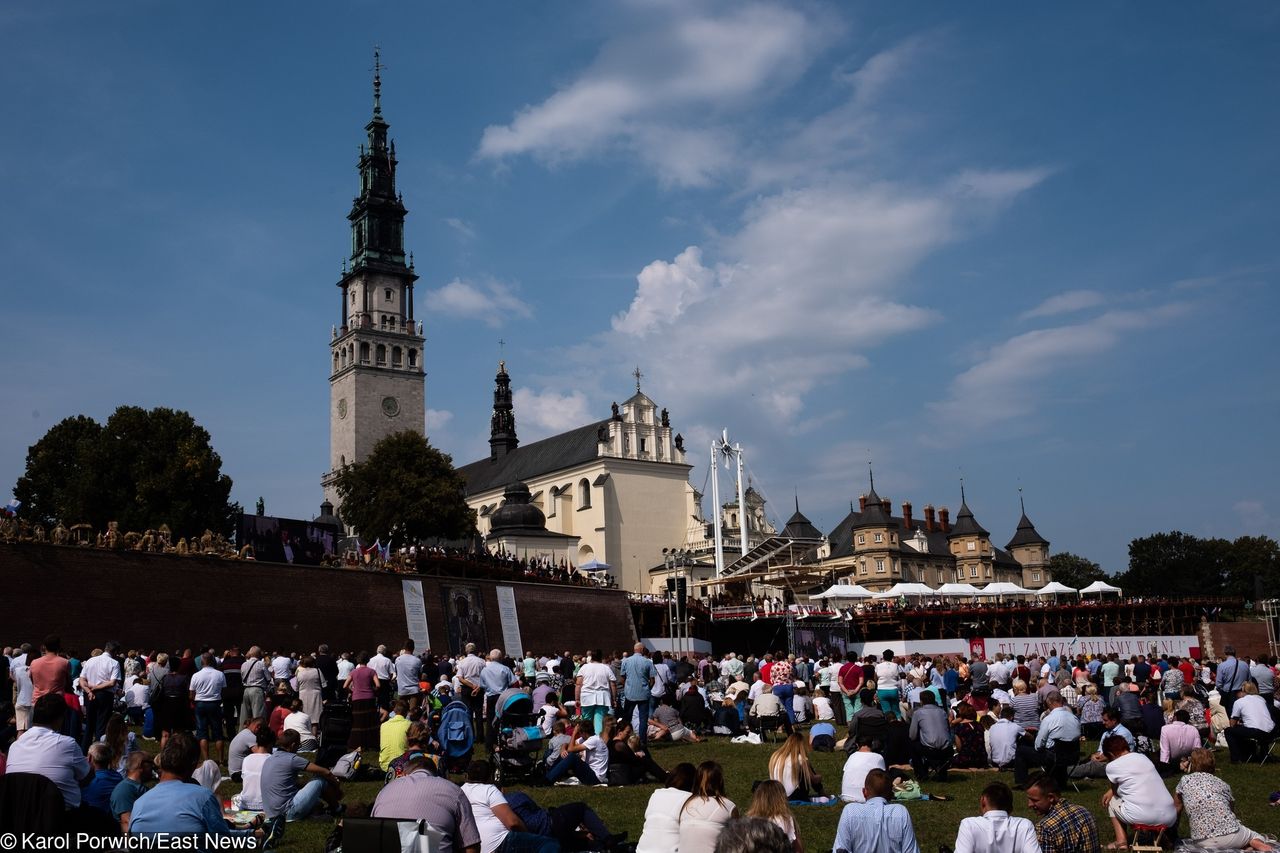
<point>125,795</point>
<point>1123,732</point>
<point>172,808</point>
<point>820,729</point>
<point>876,827</point>
<point>951,680</point>
<point>1231,676</point>
<point>98,792</point>
<point>1058,726</point>
<point>495,678</point>
<point>639,674</point>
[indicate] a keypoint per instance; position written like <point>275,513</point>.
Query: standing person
<point>1064,827</point>
<point>1232,675</point>
<point>205,691</point>
<point>99,680</point>
<point>408,672</point>
<point>174,700</point>
<point>875,825</point>
<point>255,683</point>
<point>469,689</point>
<point>638,677</point>
<point>996,831</point>
<point>327,665</point>
<point>781,676</point>
<point>362,686</point>
<point>311,691</point>
<point>887,685</point>
<point>23,696</point>
<point>595,690</point>
<point>494,678</point>
<point>707,810</point>
<point>385,670</point>
<point>850,680</point>
<point>51,672</point>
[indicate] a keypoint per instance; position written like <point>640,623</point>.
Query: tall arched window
<point>382,354</point>
<point>364,353</point>
<point>395,356</point>
<point>584,493</point>
<point>335,362</point>
<point>413,358</point>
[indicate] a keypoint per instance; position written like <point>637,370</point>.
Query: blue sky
<point>1029,246</point>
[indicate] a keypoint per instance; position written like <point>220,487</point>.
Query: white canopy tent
<point>1003,588</point>
<point>844,590</point>
<point>908,589</point>
<point>958,590</point>
<point>1054,588</point>
<point>1100,587</point>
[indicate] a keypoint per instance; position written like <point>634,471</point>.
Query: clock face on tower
<point>342,408</point>
<point>390,406</point>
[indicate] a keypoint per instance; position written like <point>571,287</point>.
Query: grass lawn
<point>935,821</point>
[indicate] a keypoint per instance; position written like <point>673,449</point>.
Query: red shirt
<point>1188,671</point>
<point>765,670</point>
<point>276,722</point>
<point>851,676</point>
<point>49,675</point>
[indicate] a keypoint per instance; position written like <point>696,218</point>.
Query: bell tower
<point>376,378</point>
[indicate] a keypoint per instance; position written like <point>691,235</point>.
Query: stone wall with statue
<point>167,601</point>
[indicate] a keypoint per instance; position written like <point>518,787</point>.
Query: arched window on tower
<point>335,362</point>
<point>364,353</point>
<point>413,358</point>
<point>584,493</point>
<point>382,354</point>
<point>395,356</point>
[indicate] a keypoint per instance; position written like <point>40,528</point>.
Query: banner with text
<point>415,615</point>
<point>1125,646</point>
<point>510,622</point>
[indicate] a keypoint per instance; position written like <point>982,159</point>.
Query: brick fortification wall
<point>163,601</point>
<point>1248,638</point>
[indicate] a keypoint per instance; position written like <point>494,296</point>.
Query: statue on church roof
<point>617,416</point>
<point>666,418</point>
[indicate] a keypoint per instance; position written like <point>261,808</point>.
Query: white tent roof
<point>899,589</point>
<point>845,590</point>
<point>1100,587</point>
<point>958,589</point>
<point>1054,588</point>
<point>1003,588</point>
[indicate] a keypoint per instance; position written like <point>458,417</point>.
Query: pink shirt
<point>1176,740</point>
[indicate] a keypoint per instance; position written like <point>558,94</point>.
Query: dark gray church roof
<point>1026,534</point>
<point>529,461</point>
<point>966,524</point>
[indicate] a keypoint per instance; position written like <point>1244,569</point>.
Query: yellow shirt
<point>392,740</point>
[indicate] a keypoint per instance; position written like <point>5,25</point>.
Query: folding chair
<point>1148,837</point>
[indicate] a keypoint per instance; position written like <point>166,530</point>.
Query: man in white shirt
<point>99,679</point>
<point>996,831</point>
<point>42,750</point>
<point>471,691</point>
<point>206,692</point>
<point>282,667</point>
<point>1002,739</point>
<point>137,700</point>
<point>384,669</point>
<point>856,768</point>
<point>1251,724</point>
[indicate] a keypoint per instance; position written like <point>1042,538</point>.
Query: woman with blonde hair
<point>1210,808</point>
<point>706,811</point>
<point>1026,706</point>
<point>1091,706</point>
<point>769,801</point>
<point>789,766</point>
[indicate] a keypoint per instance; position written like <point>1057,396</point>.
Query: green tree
<point>1076,571</point>
<point>404,493</point>
<point>1176,563</point>
<point>60,482</point>
<point>1254,568</point>
<point>143,468</point>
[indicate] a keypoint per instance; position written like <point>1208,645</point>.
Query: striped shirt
<point>441,803</point>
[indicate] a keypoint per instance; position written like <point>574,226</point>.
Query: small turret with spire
<point>502,426</point>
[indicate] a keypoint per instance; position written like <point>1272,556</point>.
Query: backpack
<point>348,765</point>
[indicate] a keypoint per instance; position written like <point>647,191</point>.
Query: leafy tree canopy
<point>142,468</point>
<point>404,493</point>
<point>1178,563</point>
<point>1076,571</point>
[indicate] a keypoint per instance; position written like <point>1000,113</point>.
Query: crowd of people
<point>73,732</point>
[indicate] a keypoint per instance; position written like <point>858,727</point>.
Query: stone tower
<point>971,546</point>
<point>502,426</point>
<point>376,380</point>
<point>1031,550</point>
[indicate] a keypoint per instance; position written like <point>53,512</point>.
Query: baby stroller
<point>518,751</point>
<point>455,737</point>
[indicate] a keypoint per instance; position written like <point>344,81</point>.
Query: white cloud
<point>653,90</point>
<point>665,290</point>
<point>548,412</point>
<point>1003,384</point>
<point>461,227</point>
<point>885,68</point>
<point>492,302</point>
<point>1254,517</point>
<point>1066,303</point>
<point>438,419</point>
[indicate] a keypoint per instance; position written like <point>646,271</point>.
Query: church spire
<point>502,426</point>
<point>377,82</point>
<point>377,215</point>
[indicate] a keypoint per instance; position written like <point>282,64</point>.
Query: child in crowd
<point>769,801</point>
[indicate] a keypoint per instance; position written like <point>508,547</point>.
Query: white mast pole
<point>715,505</point>
<point>742,502</point>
